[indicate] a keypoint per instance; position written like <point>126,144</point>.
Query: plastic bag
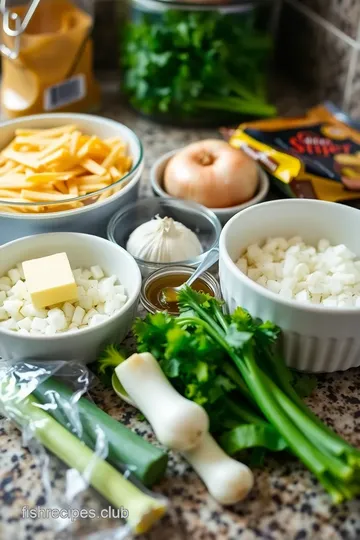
<point>46,401</point>
<point>316,157</point>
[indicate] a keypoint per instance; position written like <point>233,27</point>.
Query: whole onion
<point>211,173</point>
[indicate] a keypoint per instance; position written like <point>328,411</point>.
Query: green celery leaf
<point>250,436</point>
<point>237,338</point>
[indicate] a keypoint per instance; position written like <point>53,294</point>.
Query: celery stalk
<point>144,510</point>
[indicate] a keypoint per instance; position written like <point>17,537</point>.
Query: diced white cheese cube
<point>78,315</point>
<point>25,323</point>
<point>241,264</point>
<point>97,319</point>
<point>303,297</point>
<point>5,280</point>
<point>121,299</point>
<point>23,332</point>
<point>14,275</point>
<point>100,308</point>
<point>5,287</point>
<point>86,274</point>
<point>68,310</point>
<point>50,330</point>
<point>89,315</point>
<point>77,273</point>
<point>10,324</point>
<point>97,272</point>
<point>57,319</point>
<point>39,324</point>
<point>274,286</point>
<point>3,314</point>
<point>94,295</point>
<point>254,273</point>
<point>120,289</point>
<point>12,306</point>
<point>21,271</point>
<point>110,307</point>
<point>2,297</point>
<point>19,290</point>
<point>85,302</point>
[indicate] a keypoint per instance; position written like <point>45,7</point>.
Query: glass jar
<point>200,62</point>
<point>47,57</point>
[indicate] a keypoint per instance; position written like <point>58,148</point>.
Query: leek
<point>144,510</point>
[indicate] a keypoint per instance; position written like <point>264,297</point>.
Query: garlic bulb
<point>163,240</point>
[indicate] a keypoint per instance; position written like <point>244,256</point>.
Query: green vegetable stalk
<point>144,510</point>
<point>189,64</point>
<point>125,448</point>
<point>246,387</point>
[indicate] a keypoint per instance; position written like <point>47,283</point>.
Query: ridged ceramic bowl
<point>315,338</point>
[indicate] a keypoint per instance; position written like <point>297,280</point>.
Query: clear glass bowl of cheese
<point>82,210</point>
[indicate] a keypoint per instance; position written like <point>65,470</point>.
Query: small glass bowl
<point>199,219</point>
<point>206,277</point>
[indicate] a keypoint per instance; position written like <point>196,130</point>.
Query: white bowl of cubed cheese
<point>108,282</point>
<point>297,263</point>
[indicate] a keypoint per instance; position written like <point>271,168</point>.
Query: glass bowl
<point>199,219</point>
<point>171,270</point>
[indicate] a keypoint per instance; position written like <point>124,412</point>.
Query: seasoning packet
<point>316,157</point>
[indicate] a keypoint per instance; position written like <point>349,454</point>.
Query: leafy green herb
<point>107,361</point>
<point>190,63</point>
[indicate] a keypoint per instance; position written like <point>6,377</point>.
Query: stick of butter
<point>50,280</point>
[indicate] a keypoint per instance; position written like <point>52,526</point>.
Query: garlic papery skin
<point>163,240</point>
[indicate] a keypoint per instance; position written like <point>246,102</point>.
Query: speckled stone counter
<point>286,503</point>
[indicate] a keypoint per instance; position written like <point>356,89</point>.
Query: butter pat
<point>50,280</point>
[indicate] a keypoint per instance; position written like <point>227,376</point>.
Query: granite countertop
<point>286,503</point>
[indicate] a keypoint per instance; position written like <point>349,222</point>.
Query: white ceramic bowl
<point>315,338</point>
<point>92,218</point>
<point>223,214</point>
<point>83,251</point>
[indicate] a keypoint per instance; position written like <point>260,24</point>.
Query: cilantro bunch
<point>230,364</point>
<point>190,63</point>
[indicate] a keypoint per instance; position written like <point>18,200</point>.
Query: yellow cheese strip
<point>115,173</point>
<point>110,160</point>
<point>93,179</point>
<point>61,186</point>
<point>84,150</point>
<point>10,209</point>
<point>74,143</point>
<point>105,195</point>
<point>73,187</point>
<point>43,178</point>
<point>58,143</point>
<point>44,197</point>
<point>63,207</point>
<point>29,159</point>
<point>13,181</point>
<point>89,188</point>
<point>8,193</point>
<point>55,156</point>
<point>52,132</point>
<point>93,167</point>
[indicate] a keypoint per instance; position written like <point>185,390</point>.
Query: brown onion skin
<point>211,173</point>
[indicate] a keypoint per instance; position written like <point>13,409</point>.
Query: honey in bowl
<point>155,290</point>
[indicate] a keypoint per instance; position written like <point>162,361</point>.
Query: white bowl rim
<point>264,186</point>
<point>130,301</point>
<point>316,308</point>
<point>135,171</point>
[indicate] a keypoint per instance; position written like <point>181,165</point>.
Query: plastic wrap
<point>48,402</point>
